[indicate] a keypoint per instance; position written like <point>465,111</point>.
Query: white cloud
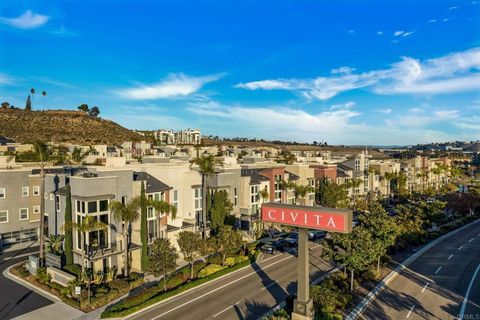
<point>342,70</point>
<point>455,72</point>
<point>453,8</point>
<point>343,106</point>
<point>398,33</point>
<point>174,86</point>
<point>446,19</point>
<point>385,110</point>
<point>418,118</point>
<point>5,79</point>
<point>432,21</point>
<point>406,34</point>
<point>351,31</point>
<point>379,33</point>
<point>27,20</point>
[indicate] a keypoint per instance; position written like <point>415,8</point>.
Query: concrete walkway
<point>55,311</point>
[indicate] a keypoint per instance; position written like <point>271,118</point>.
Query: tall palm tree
<point>206,166</point>
<point>287,185</point>
<point>301,192</point>
<point>127,213</point>
<point>88,224</point>
<point>78,155</point>
<point>32,92</point>
<point>44,93</point>
<point>42,153</point>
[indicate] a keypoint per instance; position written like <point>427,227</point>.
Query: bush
<point>210,269</point>
<point>74,269</point>
<point>229,262</point>
<point>119,284</point>
<point>176,279</point>
<point>214,259</point>
<point>371,275</point>
<point>134,276</point>
<point>240,259</point>
<point>43,276</point>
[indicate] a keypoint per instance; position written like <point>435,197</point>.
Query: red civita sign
<point>320,218</point>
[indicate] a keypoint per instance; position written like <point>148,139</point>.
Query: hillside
<point>62,126</point>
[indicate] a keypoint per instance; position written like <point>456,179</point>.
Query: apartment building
<point>19,206</point>
<point>188,136</point>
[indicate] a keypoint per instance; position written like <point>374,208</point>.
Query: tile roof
<point>153,184</point>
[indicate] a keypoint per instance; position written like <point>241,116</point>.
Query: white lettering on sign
<point>331,223</point>
<point>270,214</point>
<point>294,218</point>
<point>318,216</point>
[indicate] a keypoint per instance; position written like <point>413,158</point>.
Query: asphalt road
<point>436,284</point>
<point>246,294</point>
<point>15,299</point>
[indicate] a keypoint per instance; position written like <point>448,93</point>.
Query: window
<point>25,191</point>
<point>124,199</point>
<point>36,209</point>
<point>254,196</point>
<point>24,214</point>
<point>235,196</point>
<point>57,203</point>
<point>36,190</point>
<point>198,203</point>
<point>51,196</point>
<point>278,188</point>
<point>3,216</point>
<point>175,199</point>
<point>357,165</point>
<point>150,213</point>
<point>79,206</point>
<point>2,193</point>
<point>92,206</point>
<point>103,205</point>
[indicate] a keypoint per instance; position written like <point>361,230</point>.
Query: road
<point>246,294</point>
<point>15,299</point>
<point>440,284</point>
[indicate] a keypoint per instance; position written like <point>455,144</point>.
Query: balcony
<point>103,249</point>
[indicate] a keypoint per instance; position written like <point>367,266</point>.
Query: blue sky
<point>345,72</point>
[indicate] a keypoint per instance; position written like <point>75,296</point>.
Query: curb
<point>283,304</point>
<point>20,281</point>
<point>393,274</point>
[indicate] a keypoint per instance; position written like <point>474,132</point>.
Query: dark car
<point>280,244</point>
<point>316,234</point>
<point>292,239</point>
<point>273,246</point>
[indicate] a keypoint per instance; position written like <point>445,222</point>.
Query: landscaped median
<point>179,282</point>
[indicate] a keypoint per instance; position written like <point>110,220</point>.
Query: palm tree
<point>42,153</point>
<point>206,166</point>
<point>78,155</point>
<point>287,185</point>
<point>301,192</point>
<point>127,213</point>
<point>89,223</point>
<point>44,93</point>
<point>353,184</point>
<point>32,92</point>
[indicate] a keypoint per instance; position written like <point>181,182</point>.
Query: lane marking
<point>219,288</point>
<point>425,287</point>
<point>410,311</point>
<point>450,257</point>
<point>19,256</point>
<point>226,309</point>
<point>470,240</point>
<point>465,300</point>
<point>460,248</point>
<point>439,268</point>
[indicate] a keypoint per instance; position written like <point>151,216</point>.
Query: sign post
<point>305,218</point>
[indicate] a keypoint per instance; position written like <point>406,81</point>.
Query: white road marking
<point>460,248</point>
<point>410,311</point>
<point>470,240</point>
<point>465,300</point>
<point>219,288</point>
<point>20,256</point>
<point>217,314</point>
<point>450,257</point>
<point>439,268</point>
<point>425,287</point>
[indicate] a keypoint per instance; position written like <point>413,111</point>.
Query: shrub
<point>74,269</point>
<point>240,259</point>
<point>176,279</point>
<point>119,284</point>
<point>229,262</point>
<point>210,269</point>
<point>43,276</point>
<point>134,276</point>
<point>371,275</point>
<point>214,259</point>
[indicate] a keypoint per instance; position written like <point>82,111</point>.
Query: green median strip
<point>115,311</point>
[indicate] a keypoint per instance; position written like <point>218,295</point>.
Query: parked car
<point>280,244</point>
<point>292,239</point>
<point>316,234</point>
<point>268,247</point>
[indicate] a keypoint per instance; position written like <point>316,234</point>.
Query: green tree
<point>331,194</point>
<point>410,222</point>
<point>5,105</point>
<point>206,167</point>
<point>87,225</point>
<point>28,104</point>
<point>354,251</point>
<point>163,259</point>
<point>44,94</point>
<point>55,244</point>
<point>301,193</point>
<point>94,112</point>
<point>226,240</point>
<point>68,221</point>
<point>192,246</point>
<point>143,227</point>
<point>78,155</point>
<point>83,107</point>
<point>128,213</point>
<point>220,209</point>
<point>286,157</point>
<point>382,228</point>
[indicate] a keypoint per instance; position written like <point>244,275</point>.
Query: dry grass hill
<point>62,126</point>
